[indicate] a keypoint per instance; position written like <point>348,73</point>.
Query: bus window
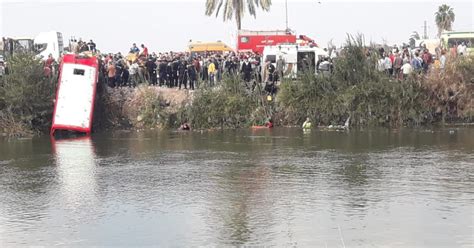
<point>271,58</point>
<point>40,47</point>
<point>457,41</point>
<point>79,72</point>
<point>60,41</point>
<point>244,39</point>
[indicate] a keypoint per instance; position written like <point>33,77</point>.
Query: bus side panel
<point>75,96</point>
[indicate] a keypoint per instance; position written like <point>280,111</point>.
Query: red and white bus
<point>75,96</point>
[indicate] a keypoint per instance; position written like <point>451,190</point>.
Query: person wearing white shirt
<point>381,64</point>
<point>442,60</point>
<point>407,69</point>
<point>387,63</point>
<point>462,49</point>
<point>133,71</point>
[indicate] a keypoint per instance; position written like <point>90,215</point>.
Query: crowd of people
<point>400,62</point>
<point>80,46</point>
<point>185,69</point>
<point>180,70</point>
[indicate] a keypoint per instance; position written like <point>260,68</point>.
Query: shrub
<point>231,104</point>
<point>354,89</point>
<point>451,92</point>
<point>26,96</point>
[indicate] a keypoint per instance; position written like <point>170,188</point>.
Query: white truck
<point>41,46</point>
<point>296,57</point>
<point>49,43</point>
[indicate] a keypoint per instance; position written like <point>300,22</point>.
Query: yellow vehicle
<point>454,39</point>
<point>218,46</point>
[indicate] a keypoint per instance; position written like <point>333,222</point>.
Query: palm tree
<point>444,18</point>
<point>236,8</point>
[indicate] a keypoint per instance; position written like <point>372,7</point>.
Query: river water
<point>280,187</point>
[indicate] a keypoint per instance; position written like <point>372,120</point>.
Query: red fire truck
<point>255,41</point>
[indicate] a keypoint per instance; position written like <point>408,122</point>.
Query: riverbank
<point>355,89</point>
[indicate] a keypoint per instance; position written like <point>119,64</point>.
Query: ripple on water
<point>240,189</point>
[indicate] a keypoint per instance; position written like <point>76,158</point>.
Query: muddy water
<point>281,187</point>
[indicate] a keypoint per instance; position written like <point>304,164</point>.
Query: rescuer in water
<point>307,124</point>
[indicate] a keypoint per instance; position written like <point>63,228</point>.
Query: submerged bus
<point>454,39</point>
<point>75,96</point>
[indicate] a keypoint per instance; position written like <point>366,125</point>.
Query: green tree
<point>236,8</point>
<point>26,95</point>
<point>444,18</point>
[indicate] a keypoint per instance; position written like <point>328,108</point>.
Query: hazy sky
<point>165,25</point>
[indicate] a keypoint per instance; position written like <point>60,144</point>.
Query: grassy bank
<point>143,107</point>
<point>372,98</point>
<point>230,104</point>
<point>355,89</point>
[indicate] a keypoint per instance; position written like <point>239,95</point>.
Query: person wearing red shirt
<point>392,57</point>
<point>144,51</point>
<point>48,66</point>
<point>269,123</point>
<point>49,62</point>
<point>427,60</point>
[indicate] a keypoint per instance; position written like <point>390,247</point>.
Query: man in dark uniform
<point>174,72</point>
<point>91,46</point>
<point>182,74</point>
<point>163,72</point>
<point>246,70</point>
<point>118,74</point>
<point>205,74</point>
<point>151,71</point>
<point>169,72</point>
<point>192,76</point>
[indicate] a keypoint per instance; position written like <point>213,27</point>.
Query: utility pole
<point>286,10</point>
<point>425,31</point>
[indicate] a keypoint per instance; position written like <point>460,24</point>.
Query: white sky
<point>165,25</point>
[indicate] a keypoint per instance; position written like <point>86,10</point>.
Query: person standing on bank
<point>151,71</point>
<point>183,74</point>
<point>211,70</point>
<point>192,76</point>
<point>246,70</point>
<point>280,67</point>
<point>144,52</point>
<point>111,74</point>
<point>134,49</point>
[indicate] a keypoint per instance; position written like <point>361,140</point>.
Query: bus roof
<point>458,34</point>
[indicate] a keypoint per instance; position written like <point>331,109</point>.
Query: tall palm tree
<point>236,8</point>
<point>444,18</point>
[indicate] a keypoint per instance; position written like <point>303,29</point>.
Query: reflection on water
<point>75,165</point>
<point>368,188</point>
